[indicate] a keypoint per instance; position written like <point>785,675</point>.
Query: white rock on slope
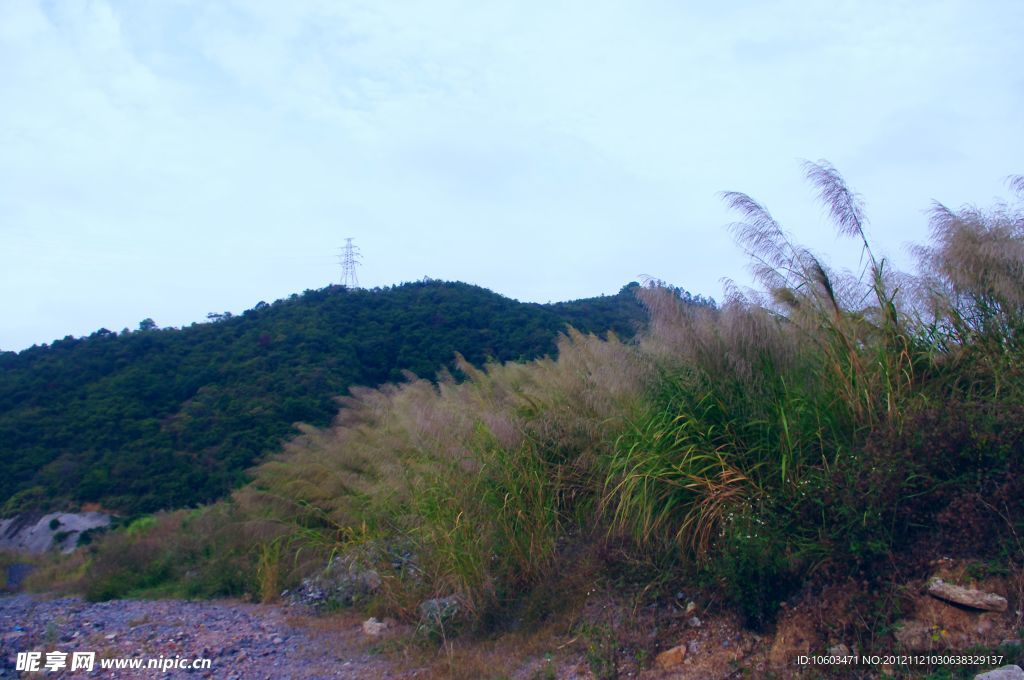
<point>34,533</point>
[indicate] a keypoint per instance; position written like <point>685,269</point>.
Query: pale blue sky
<point>168,159</point>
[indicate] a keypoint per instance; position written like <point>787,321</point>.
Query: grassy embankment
<point>833,426</point>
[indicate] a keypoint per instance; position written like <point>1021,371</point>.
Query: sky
<point>173,158</point>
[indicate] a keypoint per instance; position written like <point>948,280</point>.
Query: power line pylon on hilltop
<point>350,259</point>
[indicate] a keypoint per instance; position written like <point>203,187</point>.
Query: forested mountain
<point>156,418</point>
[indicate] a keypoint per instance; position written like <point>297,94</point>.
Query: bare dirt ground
<point>243,641</point>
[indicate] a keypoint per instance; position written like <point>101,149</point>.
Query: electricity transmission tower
<point>349,259</point>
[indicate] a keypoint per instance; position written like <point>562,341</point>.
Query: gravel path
<point>243,641</point>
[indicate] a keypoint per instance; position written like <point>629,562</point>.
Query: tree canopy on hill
<point>154,418</point>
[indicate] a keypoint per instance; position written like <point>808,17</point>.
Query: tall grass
<point>483,476</point>
<point>769,446</point>
<point>821,424</point>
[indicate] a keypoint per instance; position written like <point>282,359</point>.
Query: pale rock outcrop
<point>37,533</point>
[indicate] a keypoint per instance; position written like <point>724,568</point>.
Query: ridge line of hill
<point>161,418</point>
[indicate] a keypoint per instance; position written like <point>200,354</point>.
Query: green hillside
<point>154,418</point>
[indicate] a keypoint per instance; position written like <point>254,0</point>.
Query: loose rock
<point>967,597</point>
<point>373,627</point>
<point>1004,673</point>
<point>671,658</point>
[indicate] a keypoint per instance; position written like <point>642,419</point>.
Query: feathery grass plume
<point>979,257</point>
<point>801,291</point>
<point>775,260</point>
<point>762,394</point>
<point>1016,183</point>
<point>833,310</point>
<point>482,476</point>
<point>974,289</point>
<point>734,340</point>
<point>791,274</point>
<point>845,207</point>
